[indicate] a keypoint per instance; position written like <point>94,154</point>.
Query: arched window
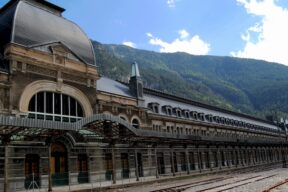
<point>135,123</point>
<point>123,117</point>
<point>55,107</point>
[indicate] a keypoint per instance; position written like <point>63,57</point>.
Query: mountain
<point>244,85</point>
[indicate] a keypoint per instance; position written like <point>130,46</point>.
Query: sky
<point>240,28</point>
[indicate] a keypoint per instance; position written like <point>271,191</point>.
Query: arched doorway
<point>59,165</point>
<point>32,177</point>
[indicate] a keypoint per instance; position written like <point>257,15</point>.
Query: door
<point>83,168</point>
<point>160,163</point>
<point>32,178</point>
<point>59,168</point>
<point>140,164</point>
<point>125,165</point>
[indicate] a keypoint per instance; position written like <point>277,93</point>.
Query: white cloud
<point>194,45</point>
<point>149,35</point>
<point>171,3</point>
<point>267,39</point>
<point>129,44</point>
<point>183,34</point>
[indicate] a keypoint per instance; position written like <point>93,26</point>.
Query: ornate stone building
<point>61,123</point>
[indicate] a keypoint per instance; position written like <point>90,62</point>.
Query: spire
<point>135,82</point>
<point>135,70</point>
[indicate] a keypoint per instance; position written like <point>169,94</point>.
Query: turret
<point>136,83</point>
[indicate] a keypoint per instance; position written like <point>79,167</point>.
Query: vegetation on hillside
<point>244,85</point>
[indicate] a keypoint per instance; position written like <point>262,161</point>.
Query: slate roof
<point>203,108</point>
<point>30,23</point>
<point>107,85</point>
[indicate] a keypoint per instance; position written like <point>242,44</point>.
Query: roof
<point>30,23</point>
<point>163,99</point>
<point>43,3</point>
<point>107,85</point>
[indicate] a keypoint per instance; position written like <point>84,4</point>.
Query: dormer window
<point>216,119</point>
<point>177,111</point>
<point>209,117</point>
<point>193,114</point>
<point>167,109</point>
<point>156,110</point>
<point>154,107</point>
<point>186,113</point>
<point>222,120</point>
<point>201,116</point>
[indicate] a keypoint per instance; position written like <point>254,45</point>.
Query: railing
<point>68,181</point>
<point>124,171</point>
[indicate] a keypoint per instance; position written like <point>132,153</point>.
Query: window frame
<point>55,116</point>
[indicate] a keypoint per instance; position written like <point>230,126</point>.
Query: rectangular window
<point>40,102</point>
<point>72,107</point>
<point>32,104</point>
<point>79,110</point>
<point>65,105</point>
<point>57,103</point>
<point>49,102</point>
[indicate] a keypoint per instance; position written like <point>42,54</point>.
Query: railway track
<point>277,186</point>
<point>236,184</point>
<point>227,185</point>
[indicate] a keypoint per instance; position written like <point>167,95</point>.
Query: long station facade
<point>61,123</point>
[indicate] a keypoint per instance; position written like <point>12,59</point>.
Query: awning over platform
<point>98,126</point>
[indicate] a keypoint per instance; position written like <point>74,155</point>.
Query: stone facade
<point>139,136</point>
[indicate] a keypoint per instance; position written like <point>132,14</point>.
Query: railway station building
<point>61,123</point>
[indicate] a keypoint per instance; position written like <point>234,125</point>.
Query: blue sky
<point>242,28</point>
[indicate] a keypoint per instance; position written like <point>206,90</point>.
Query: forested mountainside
<point>244,85</point>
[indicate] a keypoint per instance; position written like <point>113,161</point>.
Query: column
<point>49,168</point>
<point>113,164</point>
<point>241,153</point>
<point>280,154</point>
<point>265,155</point>
<point>244,154</point>
<point>284,158</point>
<point>6,169</point>
<point>256,158</point>
<point>203,162</point>
<point>136,165</point>
<point>187,160</point>
<point>156,162</point>
<point>219,158</point>
<point>196,162</point>
<point>228,158</point>
<point>248,158</point>
<point>172,161</point>
<point>225,157</point>
<point>235,157</point>
<point>211,159</point>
